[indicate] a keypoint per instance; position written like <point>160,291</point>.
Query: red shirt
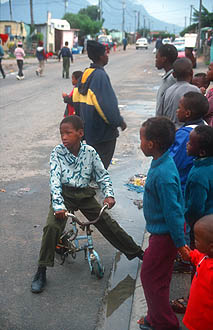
<point>199,312</point>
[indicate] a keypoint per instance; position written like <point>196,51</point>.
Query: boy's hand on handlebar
<point>60,215</point>
<point>110,201</point>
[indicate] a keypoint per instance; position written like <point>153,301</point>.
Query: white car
<point>141,43</point>
<point>166,41</point>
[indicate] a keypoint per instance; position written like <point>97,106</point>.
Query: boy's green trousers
<point>84,200</point>
<point>66,66</point>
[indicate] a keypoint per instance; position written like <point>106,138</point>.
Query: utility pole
<point>11,15</point>
<point>185,22</point>
<point>123,17</point>
<point>139,14</point>
<point>199,28</point>
<point>31,14</point>
<point>144,25</point>
<point>190,19</point>
<point>100,9</point>
<point>65,6</point>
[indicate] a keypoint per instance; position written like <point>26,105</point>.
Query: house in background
<point>16,31</point>
<point>55,33</point>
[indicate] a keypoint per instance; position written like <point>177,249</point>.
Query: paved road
<point>30,112</point>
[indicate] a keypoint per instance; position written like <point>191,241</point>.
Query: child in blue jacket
<point>199,185</point>
<point>164,215</point>
<point>192,108</point>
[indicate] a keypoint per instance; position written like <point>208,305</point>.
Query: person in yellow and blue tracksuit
<point>95,102</point>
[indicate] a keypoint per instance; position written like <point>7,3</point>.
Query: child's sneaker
<point>182,267</point>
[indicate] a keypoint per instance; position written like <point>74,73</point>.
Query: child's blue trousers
<point>156,274</point>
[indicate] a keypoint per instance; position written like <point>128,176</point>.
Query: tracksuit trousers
<point>156,274</point>
<point>84,200</point>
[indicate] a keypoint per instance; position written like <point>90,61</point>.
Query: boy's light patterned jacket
<point>77,172</point>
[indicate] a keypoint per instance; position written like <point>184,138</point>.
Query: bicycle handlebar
<point>88,223</point>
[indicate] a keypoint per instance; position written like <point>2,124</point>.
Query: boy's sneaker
<point>37,73</point>
<point>39,280</point>
<point>182,267</point>
<point>17,77</point>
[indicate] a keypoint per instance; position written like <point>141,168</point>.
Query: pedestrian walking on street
<point>164,214</point>
<point>96,103</point>
<point>165,57</point>
<point>66,54</point>
<point>1,57</point>
<point>72,166</point>
<point>124,41</point>
<point>20,54</point>
<point>41,56</point>
<point>70,110</point>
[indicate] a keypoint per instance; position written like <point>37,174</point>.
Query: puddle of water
<point>120,293</point>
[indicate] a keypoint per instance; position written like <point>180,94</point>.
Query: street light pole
<point>123,17</point>
<point>199,28</point>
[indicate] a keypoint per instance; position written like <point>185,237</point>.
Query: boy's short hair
<point>205,134</point>
<point>77,74</point>
<point>169,51</point>
<point>200,75</point>
<point>182,68</point>
<point>66,43</point>
<point>160,130</point>
<point>75,121</point>
<point>197,103</point>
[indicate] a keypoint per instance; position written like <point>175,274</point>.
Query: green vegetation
<point>206,21</point>
<point>86,21</point>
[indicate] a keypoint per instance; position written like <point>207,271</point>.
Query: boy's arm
<point>55,183</point>
<point>178,150</point>
<point>101,176</point>
<point>195,199</point>
<point>172,210</point>
<point>105,100</point>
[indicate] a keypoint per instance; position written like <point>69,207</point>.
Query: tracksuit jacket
<point>95,102</point>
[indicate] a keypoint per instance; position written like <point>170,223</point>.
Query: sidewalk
<point>180,286</point>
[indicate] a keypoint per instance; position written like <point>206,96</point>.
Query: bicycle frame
<point>70,243</point>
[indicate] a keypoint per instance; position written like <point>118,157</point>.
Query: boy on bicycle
<point>72,166</point>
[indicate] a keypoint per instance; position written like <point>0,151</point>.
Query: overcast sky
<point>171,11</point>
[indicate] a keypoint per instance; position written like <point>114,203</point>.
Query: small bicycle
<point>69,243</point>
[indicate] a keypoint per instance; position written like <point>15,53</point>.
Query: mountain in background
<point>112,13</point>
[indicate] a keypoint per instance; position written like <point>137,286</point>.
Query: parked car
<point>141,43</point>
<point>181,52</point>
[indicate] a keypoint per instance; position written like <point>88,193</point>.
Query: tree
<point>84,23</point>
<point>206,17</point>
<point>91,11</point>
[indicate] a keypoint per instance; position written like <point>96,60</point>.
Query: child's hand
<point>60,215</point>
<point>203,90</point>
<point>110,201</point>
<point>123,126</point>
<point>185,252</point>
<point>64,94</point>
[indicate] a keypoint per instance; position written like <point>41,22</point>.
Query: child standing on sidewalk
<point>199,185</point>
<point>70,110</point>
<point>200,305</point>
<point>164,215</point>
